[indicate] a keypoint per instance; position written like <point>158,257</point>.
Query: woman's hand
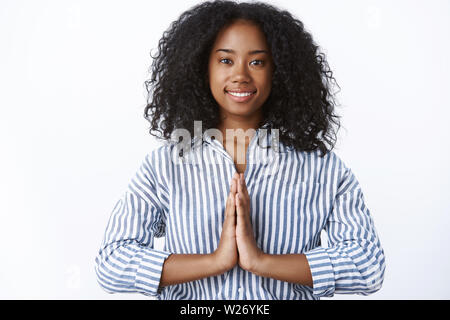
<point>226,254</point>
<point>249,253</point>
<point>237,242</point>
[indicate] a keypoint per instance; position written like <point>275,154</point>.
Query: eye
<point>254,62</point>
<point>259,62</point>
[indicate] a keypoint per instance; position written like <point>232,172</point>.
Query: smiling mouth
<point>240,96</point>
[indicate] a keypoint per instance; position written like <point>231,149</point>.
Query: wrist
<point>259,263</point>
<point>217,264</point>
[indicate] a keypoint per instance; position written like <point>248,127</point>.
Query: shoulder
<point>330,159</point>
<point>155,164</point>
<point>160,155</point>
<point>321,168</point>
<point>156,167</point>
<point>340,172</point>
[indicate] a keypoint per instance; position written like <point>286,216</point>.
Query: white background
<point>72,131</point>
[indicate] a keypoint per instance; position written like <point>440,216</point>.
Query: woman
<point>245,224</point>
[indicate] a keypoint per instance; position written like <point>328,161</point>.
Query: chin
<point>242,110</point>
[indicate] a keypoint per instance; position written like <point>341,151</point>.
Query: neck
<point>239,126</point>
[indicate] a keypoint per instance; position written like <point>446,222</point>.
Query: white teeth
<point>246,94</point>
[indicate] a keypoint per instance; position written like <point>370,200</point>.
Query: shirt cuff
<point>148,275</point>
<point>321,271</point>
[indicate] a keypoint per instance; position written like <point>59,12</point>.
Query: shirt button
<point>240,290</point>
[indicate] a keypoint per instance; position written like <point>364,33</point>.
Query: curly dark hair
<point>301,103</point>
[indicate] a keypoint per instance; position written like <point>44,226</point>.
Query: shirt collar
<point>265,138</point>
<point>209,139</point>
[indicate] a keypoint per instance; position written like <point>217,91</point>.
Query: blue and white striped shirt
<point>294,196</point>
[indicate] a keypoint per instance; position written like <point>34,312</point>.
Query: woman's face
<point>240,69</point>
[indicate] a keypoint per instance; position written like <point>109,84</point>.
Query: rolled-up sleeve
<point>127,260</point>
<point>354,260</point>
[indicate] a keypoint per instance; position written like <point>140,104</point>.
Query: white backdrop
<point>72,131</point>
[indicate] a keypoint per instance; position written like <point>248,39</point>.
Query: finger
<point>243,185</point>
<point>230,213</point>
<point>238,201</point>
<point>231,206</point>
<point>241,192</point>
<point>242,218</point>
<point>229,224</point>
<point>232,195</point>
<point>241,181</point>
<point>233,186</point>
<point>236,178</point>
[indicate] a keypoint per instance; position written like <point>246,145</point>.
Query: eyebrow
<point>250,52</point>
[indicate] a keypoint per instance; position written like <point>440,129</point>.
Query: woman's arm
<point>292,268</point>
<point>180,268</point>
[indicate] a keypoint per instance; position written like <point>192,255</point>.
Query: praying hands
<point>237,243</point>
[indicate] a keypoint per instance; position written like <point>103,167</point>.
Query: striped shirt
<point>294,197</point>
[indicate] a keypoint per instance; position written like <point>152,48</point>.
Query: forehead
<point>240,36</point>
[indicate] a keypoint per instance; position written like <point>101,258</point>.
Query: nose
<point>240,73</point>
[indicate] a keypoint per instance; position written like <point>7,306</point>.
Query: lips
<point>241,90</point>
<point>240,95</point>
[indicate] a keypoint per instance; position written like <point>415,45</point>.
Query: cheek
<point>215,81</point>
<point>216,89</point>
